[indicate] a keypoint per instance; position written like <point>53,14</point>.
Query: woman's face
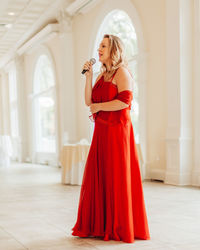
<point>103,50</point>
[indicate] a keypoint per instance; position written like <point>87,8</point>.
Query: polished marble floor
<point>37,212</point>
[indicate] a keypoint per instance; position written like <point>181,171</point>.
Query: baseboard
<point>157,174</point>
<point>178,179</point>
<point>172,178</point>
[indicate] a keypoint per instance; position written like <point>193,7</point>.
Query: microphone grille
<point>93,61</point>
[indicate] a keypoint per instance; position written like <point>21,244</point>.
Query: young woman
<point>111,203</point>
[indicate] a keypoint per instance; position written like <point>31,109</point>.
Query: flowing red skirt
<point>111,203</point>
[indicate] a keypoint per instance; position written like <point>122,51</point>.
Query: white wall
<point>165,83</point>
<point>85,26</point>
<point>58,52</point>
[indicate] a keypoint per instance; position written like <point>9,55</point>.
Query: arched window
<point>44,106</point>
<point>118,23</point>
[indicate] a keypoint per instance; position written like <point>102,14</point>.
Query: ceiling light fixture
<point>11,13</point>
<point>8,25</point>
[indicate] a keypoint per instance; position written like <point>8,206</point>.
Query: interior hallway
<point>37,212</point>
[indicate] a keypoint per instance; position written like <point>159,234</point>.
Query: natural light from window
<point>118,23</point>
<point>44,106</point>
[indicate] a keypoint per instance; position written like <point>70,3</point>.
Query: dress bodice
<point>105,91</point>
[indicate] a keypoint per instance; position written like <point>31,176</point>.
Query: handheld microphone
<point>92,61</point>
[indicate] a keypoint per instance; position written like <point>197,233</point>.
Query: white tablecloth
<point>72,159</point>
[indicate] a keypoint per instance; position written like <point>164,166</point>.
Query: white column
<point>196,170</point>
<point>22,115</point>
<point>66,85</point>
<point>179,142</point>
<point>5,103</point>
<point>1,107</point>
<point>5,144</point>
<point>142,67</point>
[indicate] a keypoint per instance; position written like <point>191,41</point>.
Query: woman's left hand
<point>94,108</point>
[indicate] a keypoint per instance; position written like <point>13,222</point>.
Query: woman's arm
<point>124,81</point>
<point>88,83</point>
<point>88,89</point>
<point>113,105</point>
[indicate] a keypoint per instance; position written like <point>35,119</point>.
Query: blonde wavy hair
<point>116,50</point>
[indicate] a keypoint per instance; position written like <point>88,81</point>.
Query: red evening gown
<point>111,202</point>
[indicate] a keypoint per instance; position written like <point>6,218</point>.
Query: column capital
<point>19,59</point>
<point>65,22</point>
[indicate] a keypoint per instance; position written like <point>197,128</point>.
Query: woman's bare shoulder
<point>123,71</point>
<point>124,78</point>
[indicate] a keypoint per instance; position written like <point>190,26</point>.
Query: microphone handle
<point>84,70</point>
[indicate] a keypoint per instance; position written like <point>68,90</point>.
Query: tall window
<point>44,106</point>
<point>118,23</point>
<point>14,125</point>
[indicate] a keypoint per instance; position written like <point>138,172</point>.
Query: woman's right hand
<point>88,67</point>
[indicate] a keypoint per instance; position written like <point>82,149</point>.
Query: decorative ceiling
<point>21,19</point>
